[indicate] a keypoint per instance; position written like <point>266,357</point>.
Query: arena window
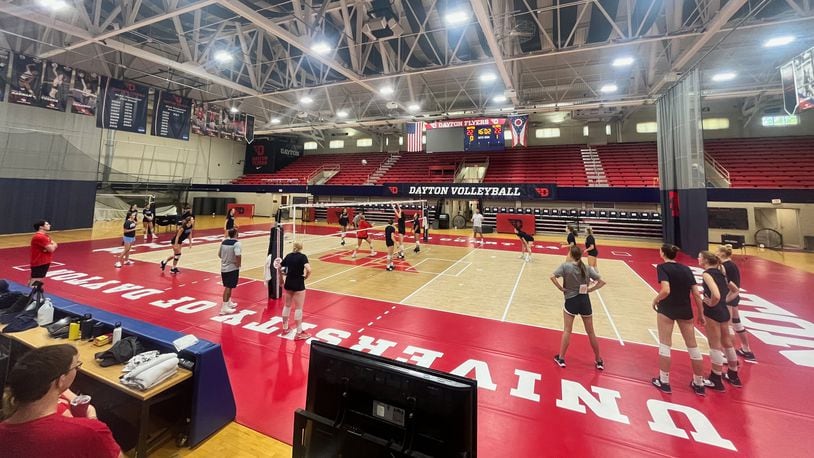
<point>715,124</point>
<point>401,141</point>
<point>607,129</point>
<point>780,121</point>
<point>308,146</point>
<point>646,127</point>
<point>507,135</point>
<point>336,144</point>
<point>364,142</point>
<point>584,131</point>
<point>549,132</point>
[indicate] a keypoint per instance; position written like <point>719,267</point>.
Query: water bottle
<point>117,332</point>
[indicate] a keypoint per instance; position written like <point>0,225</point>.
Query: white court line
<point>342,272</point>
<point>636,274</point>
<point>468,264</point>
<point>436,277</point>
<point>610,318</point>
<point>514,290</point>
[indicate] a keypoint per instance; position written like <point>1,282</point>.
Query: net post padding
<point>276,237</point>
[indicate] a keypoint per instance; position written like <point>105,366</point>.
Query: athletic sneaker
<point>373,253</point>
<point>401,255</point>
<point>118,264</point>
<point>227,309</point>
<point>389,268</point>
<point>163,264</point>
<point>128,262</point>
<point>353,256</point>
<point>174,270</point>
<point>665,387</point>
<point>342,243</point>
<point>747,356</point>
<point>733,378</point>
<point>560,361</point>
<point>698,389</point>
<point>715,382</point>
<point>600,365</point>
<point>416,249</point>
<point>302,336</point>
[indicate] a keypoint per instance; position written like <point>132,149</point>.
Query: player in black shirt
<point>389,230</point>
<point>343,224</point>
<point>184,232</point>
<point>733,274</point>
<point>128,238</point>
<point>572,235</point>
<point>230,221</point>
<point>293,270</point>
<point>147,217</point>
<point>133,209</point>
<point>417,231</point>
<point>401,221</point>
<point>717,292</point>
<point>186,212</point>
<point>590,248</point>
<point>673,306</point>
<point>525,244</point>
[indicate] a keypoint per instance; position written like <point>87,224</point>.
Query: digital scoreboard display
<point>484,137</point>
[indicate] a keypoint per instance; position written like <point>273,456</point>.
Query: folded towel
<point>152,373</point>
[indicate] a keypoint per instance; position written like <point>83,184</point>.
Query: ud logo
<point>543,192</point>
<point>393,189</point>
<point>130,86</point>
<point>516,223</point>
<point>259,150</point>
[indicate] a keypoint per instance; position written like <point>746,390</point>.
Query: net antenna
<point>293,208</point>
<point>110,207</point>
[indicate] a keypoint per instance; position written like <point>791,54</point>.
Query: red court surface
<point>527,405</point>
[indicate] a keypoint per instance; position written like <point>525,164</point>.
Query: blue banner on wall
<point>515,191</point>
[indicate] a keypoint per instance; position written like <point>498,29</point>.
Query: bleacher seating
<point>351,169</point>
<point>630,164</point>
<point>779,162</point>
<point>424,168</point>
<point>538,164</point>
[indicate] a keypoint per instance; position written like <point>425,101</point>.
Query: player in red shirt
<point>361,234</point>
<point>42,250</point>
<point>35,428</point>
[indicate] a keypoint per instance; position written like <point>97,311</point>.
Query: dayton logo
<point>543,192</point>
<point>516,223</point>
<point>260,159</point>
<point>393,189</point>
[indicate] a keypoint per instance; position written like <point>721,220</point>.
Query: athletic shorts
<point>718,313</point>
<point>229,279</point>
<point>735,302</point>
<point>39,271</point>
<point>129,240</point>
<point>593,253</point>
<point>676,313</point>
<point>417,230</point>
<point>578,305</point>
<point>294,285</point>
<point>361,237</point>
<point>389,243</point>
<point>477,230</point>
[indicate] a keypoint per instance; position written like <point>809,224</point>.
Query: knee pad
<point>695,353</point>
<point>717,357</point>
<point>298,315</point>
<point>730,354</point>
<point>737,325</point>
<point>177,256</point>
<point>664,350</point>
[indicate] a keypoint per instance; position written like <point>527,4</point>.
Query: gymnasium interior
<point>645,122</point>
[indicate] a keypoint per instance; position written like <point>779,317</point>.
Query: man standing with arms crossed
<point>42,250</point>
<point>230,257</point>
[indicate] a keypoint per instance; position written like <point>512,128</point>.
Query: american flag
<point>414,132</point>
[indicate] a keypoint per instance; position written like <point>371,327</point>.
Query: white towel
<point>152,373</point>
<point>267,269</point>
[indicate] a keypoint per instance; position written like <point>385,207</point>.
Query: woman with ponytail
<point>577,284</point>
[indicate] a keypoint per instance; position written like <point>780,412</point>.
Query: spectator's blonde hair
<point>296,247</point>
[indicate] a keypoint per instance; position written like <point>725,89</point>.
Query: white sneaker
<point>118,264</point>
<point>129,262</point>
<point>373,253</point>
<point>353,256</point>
<point>225,310</point>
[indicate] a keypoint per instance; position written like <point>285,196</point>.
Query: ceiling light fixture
<point>778,41</point>
<point>234,110</point>
<point>305,100</point>
<point>275,120</point>
<point>724,76</point>
<point>386,90</point>
<point>499,98</point>
<point>413,107</point>
<point>456,17</point>
<point>55,5</point>
<point>488,77</point>
<point>321,48</point>
<point>623,61</point>
<point>609,88</point>
<point>341,114</point>
<point>223,56</point>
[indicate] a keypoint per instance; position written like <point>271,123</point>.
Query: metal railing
<point>322,169</point>
<point>718,167</point>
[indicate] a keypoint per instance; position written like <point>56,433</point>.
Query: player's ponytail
<point>575,253</point>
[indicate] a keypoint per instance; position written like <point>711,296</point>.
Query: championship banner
<point>484,138</point>
<point>85,93</point>
<point>212,120</point>
<point>797,78</point>
<point>268,156</point>
<point>514,191</point>
<point>171,115</point>
<point>249,136</point>
<point>56,80</point>
<point>463,122</point>
<point>25,80</point>
<point>4,57</point>
<point>239,126</point>
<point>198,122</point>
<point>124,106</point>
<point>226,128</point>
<point>519,126</point>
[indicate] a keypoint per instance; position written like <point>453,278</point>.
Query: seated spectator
<point>33,426</point>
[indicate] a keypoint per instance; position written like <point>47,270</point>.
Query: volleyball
<point>364,161</point>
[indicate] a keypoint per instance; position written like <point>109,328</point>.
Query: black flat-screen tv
<point>393,408</point>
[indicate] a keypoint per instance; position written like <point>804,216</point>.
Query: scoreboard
<point>484,137</point>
